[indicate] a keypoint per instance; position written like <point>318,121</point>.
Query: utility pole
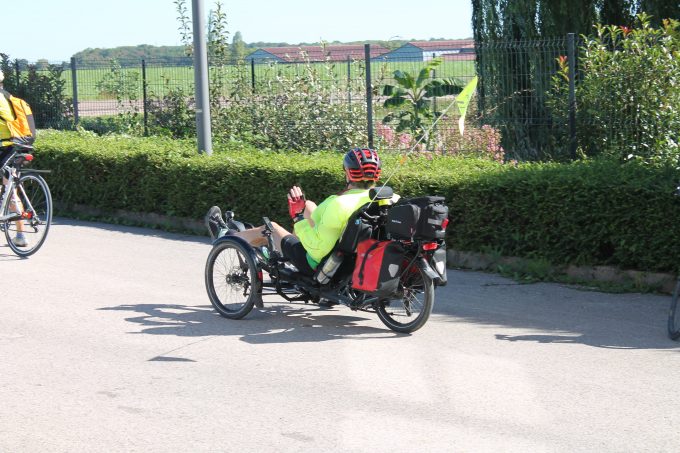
<point>203,132</point>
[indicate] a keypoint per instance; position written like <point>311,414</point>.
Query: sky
<point>58,29</point>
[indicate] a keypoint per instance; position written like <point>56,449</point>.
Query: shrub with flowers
<point>477,141</point>
<point>388,138</point>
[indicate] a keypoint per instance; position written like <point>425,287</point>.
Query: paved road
<point>108,343</point>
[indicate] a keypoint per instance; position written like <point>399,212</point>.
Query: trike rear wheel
<point>409,308</point>
<point>231,279</point>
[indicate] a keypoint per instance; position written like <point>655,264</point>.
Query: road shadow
<point>290,323</point>
<point>6,253</point>
<point>556,313</point>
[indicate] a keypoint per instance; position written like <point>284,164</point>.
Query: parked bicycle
<point>25,202</point>
<point>388,261</point>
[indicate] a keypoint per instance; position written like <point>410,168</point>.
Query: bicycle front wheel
<point>674,315</point>
<point>34,201</point>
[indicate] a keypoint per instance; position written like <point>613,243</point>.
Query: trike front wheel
<point>231,279</point>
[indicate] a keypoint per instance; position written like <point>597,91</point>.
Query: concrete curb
<point>484,261</point>
<point>455,258</point>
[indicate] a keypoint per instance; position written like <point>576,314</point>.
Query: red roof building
<point>292,54</point>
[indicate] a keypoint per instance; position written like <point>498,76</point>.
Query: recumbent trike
<point>388,260</point>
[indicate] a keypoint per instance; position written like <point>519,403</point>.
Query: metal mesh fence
<point>309,102</point>
<point>518,99</point>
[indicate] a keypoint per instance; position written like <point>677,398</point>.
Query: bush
<point>306,111</point>
<point>173,113</point>
<point>628,94</point>
<point>167,176</point>
<point>478,141</point>
<point>107,124</point>
<point>589,212</point>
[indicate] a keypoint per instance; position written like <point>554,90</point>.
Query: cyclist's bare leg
<point>18,207</point>
<point>255,238</point>
<point>13,206</point>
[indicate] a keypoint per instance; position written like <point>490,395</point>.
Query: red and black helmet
<point>362,165</point>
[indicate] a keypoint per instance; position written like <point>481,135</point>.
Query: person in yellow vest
<point>6,114</point>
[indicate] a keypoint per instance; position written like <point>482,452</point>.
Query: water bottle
<point>330,267</point>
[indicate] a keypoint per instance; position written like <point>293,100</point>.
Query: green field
<point>127,81</point>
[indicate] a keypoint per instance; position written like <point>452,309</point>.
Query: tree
<point>218,35</point>
<point>185,30</point>
<point>659,10</point>
<point>238,47</point>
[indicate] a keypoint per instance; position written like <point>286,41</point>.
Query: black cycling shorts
<point>292,248</point>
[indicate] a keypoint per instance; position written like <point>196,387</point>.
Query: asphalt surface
<point>108,343</point>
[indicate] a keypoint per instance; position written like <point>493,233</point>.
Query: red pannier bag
<point>377,267</point>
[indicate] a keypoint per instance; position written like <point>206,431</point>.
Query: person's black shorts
<point>292,248</point>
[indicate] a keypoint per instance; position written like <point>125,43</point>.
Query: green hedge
<point>591,212</point>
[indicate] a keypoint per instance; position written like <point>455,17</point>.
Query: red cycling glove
<point>295,207</point>
<point>296,202</point>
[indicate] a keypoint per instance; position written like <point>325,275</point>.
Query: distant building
<point>459,49</point>
<point>292,54</point>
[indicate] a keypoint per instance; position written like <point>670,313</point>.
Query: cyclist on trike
<point>364,248</point>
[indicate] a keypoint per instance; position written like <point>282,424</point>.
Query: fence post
<point>252,74</point>
<point>433,75</point>
<point>571,60</point>
<point>144,99</point>
<point>481,79</point>
<point>369,94</point>
<point>349,80</point>
<point>74,86</point>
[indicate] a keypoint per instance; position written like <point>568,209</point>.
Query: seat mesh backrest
<point>356,231</point>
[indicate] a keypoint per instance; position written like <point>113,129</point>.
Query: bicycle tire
<point>674,315</point>
<point>34,193</point>
<point>411,284</point>
<point>229,271</point>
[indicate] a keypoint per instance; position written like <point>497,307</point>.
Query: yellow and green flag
<point>463,100</point>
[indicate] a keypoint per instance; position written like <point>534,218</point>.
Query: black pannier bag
<point>377,267</point>
<point>418,218</point>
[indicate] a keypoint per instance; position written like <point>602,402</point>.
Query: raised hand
<point>296,201</point>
